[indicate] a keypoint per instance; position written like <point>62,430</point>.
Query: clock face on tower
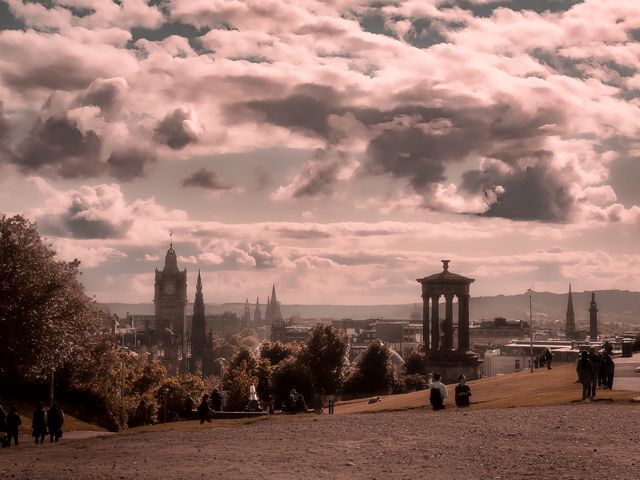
<point>169,288</point>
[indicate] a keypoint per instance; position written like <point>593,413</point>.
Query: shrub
<point>177,397</point>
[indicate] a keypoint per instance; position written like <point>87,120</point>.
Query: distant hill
<point>614,306</point>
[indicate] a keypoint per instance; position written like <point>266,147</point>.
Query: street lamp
<point>530,331</point>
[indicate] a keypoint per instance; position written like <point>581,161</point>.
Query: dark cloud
<point>309,233</point>
<point>178,129</point>
<point>487,9</point>
<point>306,110</point>
<point>536,192</point>
<point>426,32</point>
<point>58,147</point>
<point>106,93</point>
<point>130,162</point>
<point>319,175</point>
<point>5,134</point>
<point>85,227</point>
<point>204,178</point>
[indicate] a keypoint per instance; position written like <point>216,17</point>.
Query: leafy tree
<point>324,355</point>
<point>45,317</point>
<point>288,374</point>
<point>242,373</point>
<point>415,364</point>
<point>275,352</point>
<point>374,373</point>
<point>177,396</point>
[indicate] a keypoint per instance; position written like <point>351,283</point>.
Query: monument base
<point>452,363</point>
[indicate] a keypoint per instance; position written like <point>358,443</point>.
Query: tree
<point>177,396</point>
<point>374,373</point>
<point>275,352</point>
<point>324,355</point>
<point>242,373</point>
<point>415,364</point>
<point>45,317</point>
<point>289,374</point>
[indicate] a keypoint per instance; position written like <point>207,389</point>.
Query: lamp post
<point>530,332</point>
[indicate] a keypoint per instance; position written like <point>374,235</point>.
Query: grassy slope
<point>540,388</point>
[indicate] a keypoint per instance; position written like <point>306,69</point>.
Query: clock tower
<point>170,299</point>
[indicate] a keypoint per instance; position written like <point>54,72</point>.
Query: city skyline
<point>336,149</point>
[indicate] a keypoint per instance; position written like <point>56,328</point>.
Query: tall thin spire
<point>570,327</point>
<point>198,327</point>
<point>257,314</point>
<point>593,319</point>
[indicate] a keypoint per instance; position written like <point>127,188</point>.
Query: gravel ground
<point>583,441</point>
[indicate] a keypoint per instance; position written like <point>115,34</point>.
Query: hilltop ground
<point>557,438</point>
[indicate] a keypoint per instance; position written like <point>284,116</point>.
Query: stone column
<point>425,322</point>
<point>448,323</point>
<point>463,323</point>
<point>435,323</point>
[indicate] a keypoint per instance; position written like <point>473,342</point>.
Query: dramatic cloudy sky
<point>339,148</point>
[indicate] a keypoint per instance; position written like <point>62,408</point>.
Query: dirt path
<point>587,441</point>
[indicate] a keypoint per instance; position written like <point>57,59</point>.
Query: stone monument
<point>441,357</point>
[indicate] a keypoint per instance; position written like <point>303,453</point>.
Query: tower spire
<point>570,326</point>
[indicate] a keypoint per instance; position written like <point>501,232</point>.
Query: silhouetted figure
<point>596,365</point>
<point>608,371</point>
<point>463,392</point>
<point>548,357</point>
<point>216,400</point>
<point>272,404</point>
<point>295,403</point>
<point>331,407</point>
<point>204,411</point>
<point>39,423</point>
<point>541,356</point>
<point>536,362</point>
<point>4,429</point>
<point>13,426</point>
<point>584,369</point>
<point>142,412</point>
<point>437,392</point>
<point>55,420</point>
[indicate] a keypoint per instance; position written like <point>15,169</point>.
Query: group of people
<point>595,370</point>
<point>43,422</point>
<point>210,404</point>
<point>544,359</point>
<point>438,393</point>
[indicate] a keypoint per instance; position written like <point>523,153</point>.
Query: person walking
<point>216,400</point>
<point>463,392</point>
<point>204,410</point>
<point>437,392</point>
<point>55,420</point>
<point>13,426</point>
<point>548,357</point>
<point>584,369</point>
<point>39,423</point>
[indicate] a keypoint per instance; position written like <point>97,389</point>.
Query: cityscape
<point>324,239</point>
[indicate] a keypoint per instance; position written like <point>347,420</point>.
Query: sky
<point>339,148</point>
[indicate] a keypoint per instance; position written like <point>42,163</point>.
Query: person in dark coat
<point>55,420</point>
<point>13,426</point>
<point>39,423</point>
<point>608,371</point>
<point>216,400</point>
<point>463,392</point>
<point>4,429</point>
<point>596,364</point>
<point>585,372</point>
<point>548,357</point>
<point>204,410</point>
<point>142,412</point>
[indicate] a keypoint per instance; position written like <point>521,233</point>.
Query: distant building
<point>257,314</point>
<point>593,319</point>
<point>246,315</point>
<point>198,330</point>
<point>497,331</point>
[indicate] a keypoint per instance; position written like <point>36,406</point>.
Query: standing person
<point>463,392</point>
<point>548,356</point>
<point>39,423</point>
<point>585,372</point>
<point>4,429</point>
<point>142,412</point>
<point>610,370</point>
<point>55,420</point>
<point>216,400</point>
<point>437,392</point>
<point>13,426</point>
<point>204,410</point>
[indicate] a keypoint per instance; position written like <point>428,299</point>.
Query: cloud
<point>129,162</point>
<point>318,176</point>
<point>109,94</point>
<point>5,134</point>
<point>56,145</point>
<point>204,178</point>
<point>178,129</point>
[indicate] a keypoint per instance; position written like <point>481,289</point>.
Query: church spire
<point>257,314</point>
<point>198,327</point>
<point>593,319</point>
<point>570,327</point>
